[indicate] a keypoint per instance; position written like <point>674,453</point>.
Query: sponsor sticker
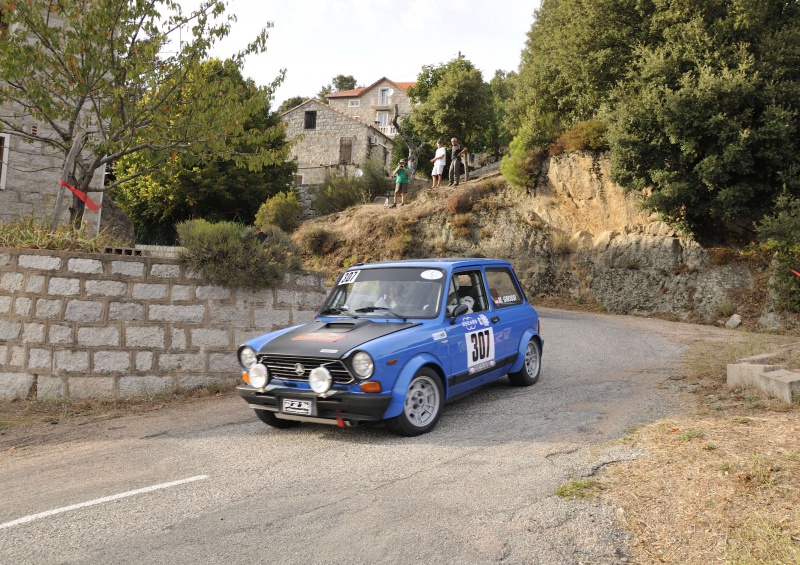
<point>469,323</point>
<point>439,336</point>
<point>483,320</point>
<point>320,336</point>
<point>329,351</point>
<point>431,275</point>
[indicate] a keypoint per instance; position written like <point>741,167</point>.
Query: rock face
<point>579,234</point>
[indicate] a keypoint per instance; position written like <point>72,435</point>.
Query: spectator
<point>455,162</point>
<point>401,183</point>
<point>438,164</point>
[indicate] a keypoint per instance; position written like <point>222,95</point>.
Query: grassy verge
<point>719,486</point>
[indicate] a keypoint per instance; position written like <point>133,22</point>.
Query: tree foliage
<point>700,98</point>
<point>454,101</point>
<point>710,119</point>
<point>114,78</point>
<point>339,83</point>
<point>290,103</point>
<point>213,188</point>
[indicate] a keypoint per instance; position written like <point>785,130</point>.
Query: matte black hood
<point>331,340</point>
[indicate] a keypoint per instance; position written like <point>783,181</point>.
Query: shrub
<point>460,202</point>
<point>780,234</point>
<point>282,210</point>
<point>524,160</point>
<point>339,191</point>
<point>30,233</point>
<point>317,241</point>
<point>588,135</point>
<point>237,256</point>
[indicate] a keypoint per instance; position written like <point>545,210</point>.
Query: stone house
<point>375,104</point>
<point>327,139</point>
<point>30,170</point>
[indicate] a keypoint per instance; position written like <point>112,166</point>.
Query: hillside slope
<point>577,236</point>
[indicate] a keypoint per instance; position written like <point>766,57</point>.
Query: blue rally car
<point>394,341</point>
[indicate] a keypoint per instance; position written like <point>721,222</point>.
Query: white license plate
<point>291,406</point>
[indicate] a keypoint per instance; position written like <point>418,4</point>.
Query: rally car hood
<point>330,340</point>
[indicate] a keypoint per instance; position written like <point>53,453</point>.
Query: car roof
<point>443,263</point>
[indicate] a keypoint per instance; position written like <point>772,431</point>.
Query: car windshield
<point>393,292</point>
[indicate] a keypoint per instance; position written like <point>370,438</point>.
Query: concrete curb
<point>767,372</point>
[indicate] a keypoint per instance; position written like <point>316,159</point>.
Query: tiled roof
<point>404,86</point>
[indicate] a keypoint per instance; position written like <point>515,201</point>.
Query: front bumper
<point>355,406</point>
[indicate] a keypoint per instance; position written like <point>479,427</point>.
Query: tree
<point>710,121</point>
<point>453,101</point>
<point>211,188</point>
<point>339,83</point>
<point>110,79</point>
<point>290,103</point>
<point>342,83</point>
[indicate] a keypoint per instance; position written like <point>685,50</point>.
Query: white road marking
<point>103,500</point>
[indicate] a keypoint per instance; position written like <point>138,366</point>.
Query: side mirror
<point>460,310</point>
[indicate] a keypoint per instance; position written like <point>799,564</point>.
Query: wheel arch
<point>527,335</point>
<point>404,379</point>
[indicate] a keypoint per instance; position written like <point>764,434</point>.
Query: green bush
<point>588,135</point>
<point>524,160</point>
<point>237,256</point>
<point>282,210</point>
<point>316,240</point>
<point>780,234</point>
<point>340,191</point>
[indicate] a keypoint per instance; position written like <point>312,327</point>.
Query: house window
<point>345,150</point>
<point>354,103</point>
<point>311,120</point>
<point>298,180</point>
<point>383,97</point>
<point>383,119</point>
<point>4,142</point>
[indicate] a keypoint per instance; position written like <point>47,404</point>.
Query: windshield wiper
<point>367,309</point>
<point>333,311</point>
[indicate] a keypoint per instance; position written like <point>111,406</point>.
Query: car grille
<point>283,367</point>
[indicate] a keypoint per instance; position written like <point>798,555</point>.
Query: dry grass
<point>720,486</point>
<point>26,412</point>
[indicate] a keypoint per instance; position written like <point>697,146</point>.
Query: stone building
<point>375,104</point>
<point>30,170</point>
<point>327,139</point>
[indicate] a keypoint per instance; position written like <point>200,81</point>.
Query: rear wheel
<point>423,405</point>
<point>271,419</point>
<point>529,373</point>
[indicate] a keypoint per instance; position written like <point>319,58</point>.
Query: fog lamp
<point>259,376</point>
<point>320,380</point>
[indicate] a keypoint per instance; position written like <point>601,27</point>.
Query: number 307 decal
<point>480,350</point>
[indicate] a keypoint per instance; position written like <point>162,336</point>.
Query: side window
<point>4,142</point>
<point>503,288</point>
<point>466,287</point>
<point>310,120</point>
<point>345,150</point>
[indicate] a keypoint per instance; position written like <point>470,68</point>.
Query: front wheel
<point>423,405</point>
<point>271,419</point>
<point>529,373</point>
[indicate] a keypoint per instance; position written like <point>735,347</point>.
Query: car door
<point>507,315</point>
<point>471,336</point>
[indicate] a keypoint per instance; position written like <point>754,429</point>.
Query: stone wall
<point>317,150</point>
<point>76,325</point>
<point>369,102</point>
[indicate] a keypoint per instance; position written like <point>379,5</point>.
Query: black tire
<point>423,405</point>
<point>532,366</point>
<point>271,419</point>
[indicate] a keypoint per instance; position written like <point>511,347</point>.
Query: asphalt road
<point>478,489</point>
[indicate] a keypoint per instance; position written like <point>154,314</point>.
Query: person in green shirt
<point>401,183</point>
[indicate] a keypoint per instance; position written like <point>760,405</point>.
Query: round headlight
<point>363,365</point>
<point>247,357</point>
<point>258,375</point>
<point>320,380</point>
